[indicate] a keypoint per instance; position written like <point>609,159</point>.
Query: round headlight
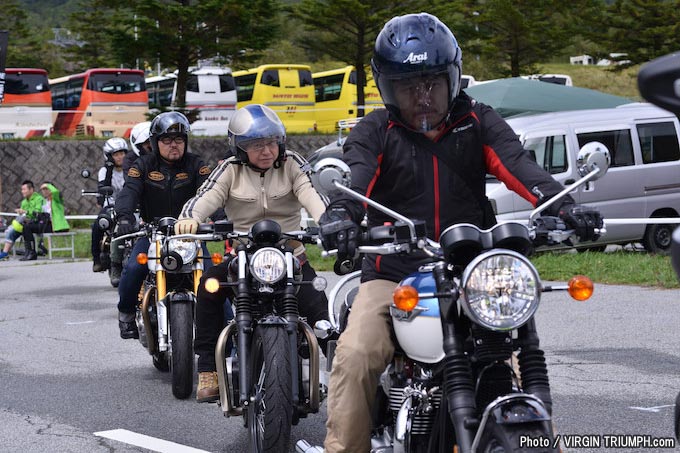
<point>268,265</point>
<point>501,290</point>
<point>187,249</point>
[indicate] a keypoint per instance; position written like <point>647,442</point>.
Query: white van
<point>642,182</point>
<point>559,79</point>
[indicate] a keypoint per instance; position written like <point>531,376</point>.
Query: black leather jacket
<point>159,188</point>
<point>440,181</point>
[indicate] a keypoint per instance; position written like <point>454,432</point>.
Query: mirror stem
<point>536,212</point>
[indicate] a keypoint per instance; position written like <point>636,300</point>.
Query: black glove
<point>338,231</point>
<point>583,219</point>
<point>124,227</point>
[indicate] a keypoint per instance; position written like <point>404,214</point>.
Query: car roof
<point>624,113</point>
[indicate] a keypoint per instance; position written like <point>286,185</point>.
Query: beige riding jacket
<point>248,195</point>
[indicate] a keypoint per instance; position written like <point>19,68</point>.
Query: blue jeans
<point>133,276</point>
<point>11,235</point>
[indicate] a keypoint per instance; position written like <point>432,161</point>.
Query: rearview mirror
<point>659,82</point>
<point>593,156</point>
<point>329,171</point>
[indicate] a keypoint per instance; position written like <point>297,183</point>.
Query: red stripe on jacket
<point>496,168</point>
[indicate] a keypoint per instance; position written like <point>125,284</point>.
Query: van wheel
<point>657,238</point>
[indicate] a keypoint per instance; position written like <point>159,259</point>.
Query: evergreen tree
<point>644,29</point>
<point>346,30</point>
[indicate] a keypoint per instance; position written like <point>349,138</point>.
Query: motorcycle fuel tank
<point>420,335</point>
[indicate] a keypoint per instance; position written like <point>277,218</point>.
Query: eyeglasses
<point>179,139</point>
<point>260,146</point>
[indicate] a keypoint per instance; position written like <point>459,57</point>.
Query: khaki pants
<point>364,350</point>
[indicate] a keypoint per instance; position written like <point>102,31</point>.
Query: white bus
<point>26,110</point>
<point>210,90</point>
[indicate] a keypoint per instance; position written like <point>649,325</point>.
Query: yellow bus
<point>285,88</point>
<point>336,97</point>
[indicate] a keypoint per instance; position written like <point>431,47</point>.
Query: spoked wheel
<point>182,350</point>
<point>270,411</point>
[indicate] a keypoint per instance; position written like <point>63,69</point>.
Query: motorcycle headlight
<point>187,249</point>
<point>268,265</point>
<point>501,290</point>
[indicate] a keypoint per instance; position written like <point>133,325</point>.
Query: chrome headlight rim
<point>187,249</point>
<point>277,265</point>
<point>523,272</point>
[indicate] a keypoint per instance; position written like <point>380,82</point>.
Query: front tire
<point>506,438</point>
<point>270,412</point>
<point>181,344</point>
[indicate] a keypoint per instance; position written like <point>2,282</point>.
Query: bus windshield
<point>114,83</point>
<point>26,83</point>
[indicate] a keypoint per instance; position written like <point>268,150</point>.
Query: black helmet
<point>415,45</point>
<point>168,123</point>
<point>255,122</point>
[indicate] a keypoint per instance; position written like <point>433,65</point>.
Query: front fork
<point>161,345</point>
<point>458,377</point>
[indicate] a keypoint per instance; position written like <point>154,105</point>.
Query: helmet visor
<point>420,100</point>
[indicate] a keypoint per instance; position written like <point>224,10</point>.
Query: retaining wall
<point>62,161</point>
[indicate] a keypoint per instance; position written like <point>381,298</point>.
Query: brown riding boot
<point>208,388</point>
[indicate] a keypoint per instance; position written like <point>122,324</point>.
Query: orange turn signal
<point>216,258</point>
<point>142,259</point>
<point>405,298</point>
<point>580,287</point>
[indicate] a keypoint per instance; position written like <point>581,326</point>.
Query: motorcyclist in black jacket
<point>159,183</point>
<point>426,157</point>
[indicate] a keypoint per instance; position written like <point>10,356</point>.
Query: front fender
<point>512,409</point>
<point>180,296</point>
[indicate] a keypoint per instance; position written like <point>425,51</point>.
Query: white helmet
<point>113,145</point>
<point>139,134</point>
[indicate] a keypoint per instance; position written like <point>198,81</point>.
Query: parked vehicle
<point>270,376</point>
<point>457,322</point>
<point>165,315</point>
<point>644,179</point>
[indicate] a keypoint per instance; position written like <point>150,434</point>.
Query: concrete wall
<point>62,161</point>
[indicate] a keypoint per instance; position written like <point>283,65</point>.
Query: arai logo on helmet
<point>415,58</point>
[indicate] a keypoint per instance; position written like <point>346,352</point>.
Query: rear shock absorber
<point>532,367</point>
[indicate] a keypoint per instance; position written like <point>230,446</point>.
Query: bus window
<point>336,97</point>
<point>26,109</point>
<point>271,78</point>
<point>99,102</point>
<point>305,78</point>
<point>245,87</point>
<point>192,83</point>
<point>227,83</point>
<point>161,90</point>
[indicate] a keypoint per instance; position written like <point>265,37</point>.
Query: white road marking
<point>148,442</point>
<point>651,409</point>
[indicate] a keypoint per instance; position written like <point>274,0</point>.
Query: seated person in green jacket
<point>30,206</point>
<point>50,219</point>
